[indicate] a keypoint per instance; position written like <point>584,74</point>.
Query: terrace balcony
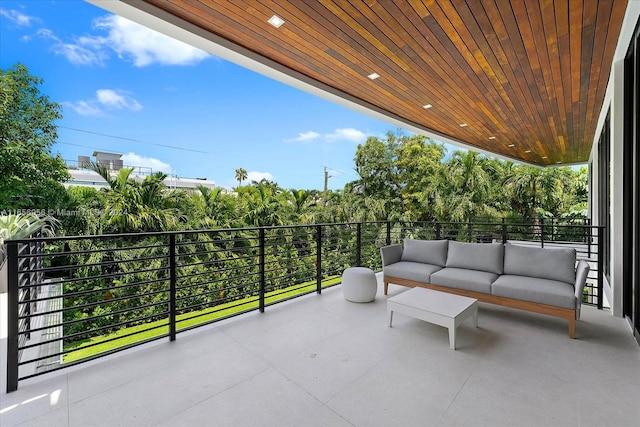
<point>318,359</point>
<point>321,360</point>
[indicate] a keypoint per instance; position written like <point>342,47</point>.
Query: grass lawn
<point>134,334</point>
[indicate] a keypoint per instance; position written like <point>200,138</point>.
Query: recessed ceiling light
<point>462,125</point>
<point>544,157</point>
<point>492,137</point>
<point>426,107</point>
<point>373,76</point>
<point>276,21</point>
<point>558,163</point>
<point>527,151</point>
<point>511,145</point>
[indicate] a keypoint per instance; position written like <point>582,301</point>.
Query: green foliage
<point>262,207</point>
<point>31,176</point>
<point>21,226</point>
<point>400,177</point>
<point>414,181</point>
<point>132,206</point>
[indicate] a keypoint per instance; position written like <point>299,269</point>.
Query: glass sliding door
<point>604,194</point>
<point>631,189</point>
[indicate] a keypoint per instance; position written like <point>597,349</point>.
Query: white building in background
<point>83,176</point>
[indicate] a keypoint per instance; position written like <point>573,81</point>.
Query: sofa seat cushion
<point>543,291</point>
<point>416,271</point>
<point>545,263</point>
<point>425,251</point>
<point>470,280</point>
<point>476,256</point>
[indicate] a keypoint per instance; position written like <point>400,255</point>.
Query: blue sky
<point>113,77</point>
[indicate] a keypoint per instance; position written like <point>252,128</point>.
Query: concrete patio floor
<point>323,361</point>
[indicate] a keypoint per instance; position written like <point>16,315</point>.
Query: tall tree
<point>149,205</point>
<point>419,163</point>
<point>216,209</point>
<point>464,187</point>
<point>30,175</point>
<point>262,208</point>
<point>302,203</point>
<point>537,192</point>
<point>375,164</point>
<point>241,175</point>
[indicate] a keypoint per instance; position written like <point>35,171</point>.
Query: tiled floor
<point>323,361</point>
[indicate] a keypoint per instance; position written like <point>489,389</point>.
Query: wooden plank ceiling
<point>524,79</point>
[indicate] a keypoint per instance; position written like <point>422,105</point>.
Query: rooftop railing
<point>74,299</point>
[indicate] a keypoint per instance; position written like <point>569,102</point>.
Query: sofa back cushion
<point>425,251</point>
<point>476,256</point>
<point>545,263</point>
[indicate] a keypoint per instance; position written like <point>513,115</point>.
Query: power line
<point>133,140</point>
<point>85,146</point>
<point>335,170</point>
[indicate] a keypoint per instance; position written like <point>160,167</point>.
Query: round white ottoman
<point>359,284</point>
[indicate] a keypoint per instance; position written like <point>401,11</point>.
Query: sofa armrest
<point>581,279</point>
<point>391,254</point>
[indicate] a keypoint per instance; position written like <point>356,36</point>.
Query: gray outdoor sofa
<point>541,280</point>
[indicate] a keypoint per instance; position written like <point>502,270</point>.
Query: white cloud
<point>344,134</point>
<point>79,55</point>
<point>117,99</point>
<point>144,46</point>
<point>133,159</point>
<point>305,136</point>
<point>76,53</point>
<point>106,99</point>
<point>259,176</point>
<point>348,134</point>
<point>84,108</point>
<point>130,41</point>
<point>17,17</point>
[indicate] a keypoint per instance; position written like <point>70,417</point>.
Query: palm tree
<point>464,187</point>
<point>536,191</point>
<point>263,209</point>
<point>352,207</point>
<point>131,206</point>
<point>241,175</point>
<point>524,186</point>
<point>301,203</point>
<point>160,206</point>
<point>217,209</point>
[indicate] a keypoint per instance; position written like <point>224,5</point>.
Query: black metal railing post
<point>589,236</point>
<point>358,244</point>
<point>261,264</point>
<point>388,233</point>
<point>542,232</point>
<point>12,317</point>
<point>30,293</point>
<point>438,231</point>
<point>172,287</point>
<point>319,258</point>
<point>600,268</point>
<point>504,231</point>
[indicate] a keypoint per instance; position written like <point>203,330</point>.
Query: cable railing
<point>74,299</point>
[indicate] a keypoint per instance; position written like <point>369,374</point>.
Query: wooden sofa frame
<point>565,313</point>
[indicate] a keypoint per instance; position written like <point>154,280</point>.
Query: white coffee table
<point>435,307</point>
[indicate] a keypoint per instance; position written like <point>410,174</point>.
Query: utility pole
<point>326,182</point>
